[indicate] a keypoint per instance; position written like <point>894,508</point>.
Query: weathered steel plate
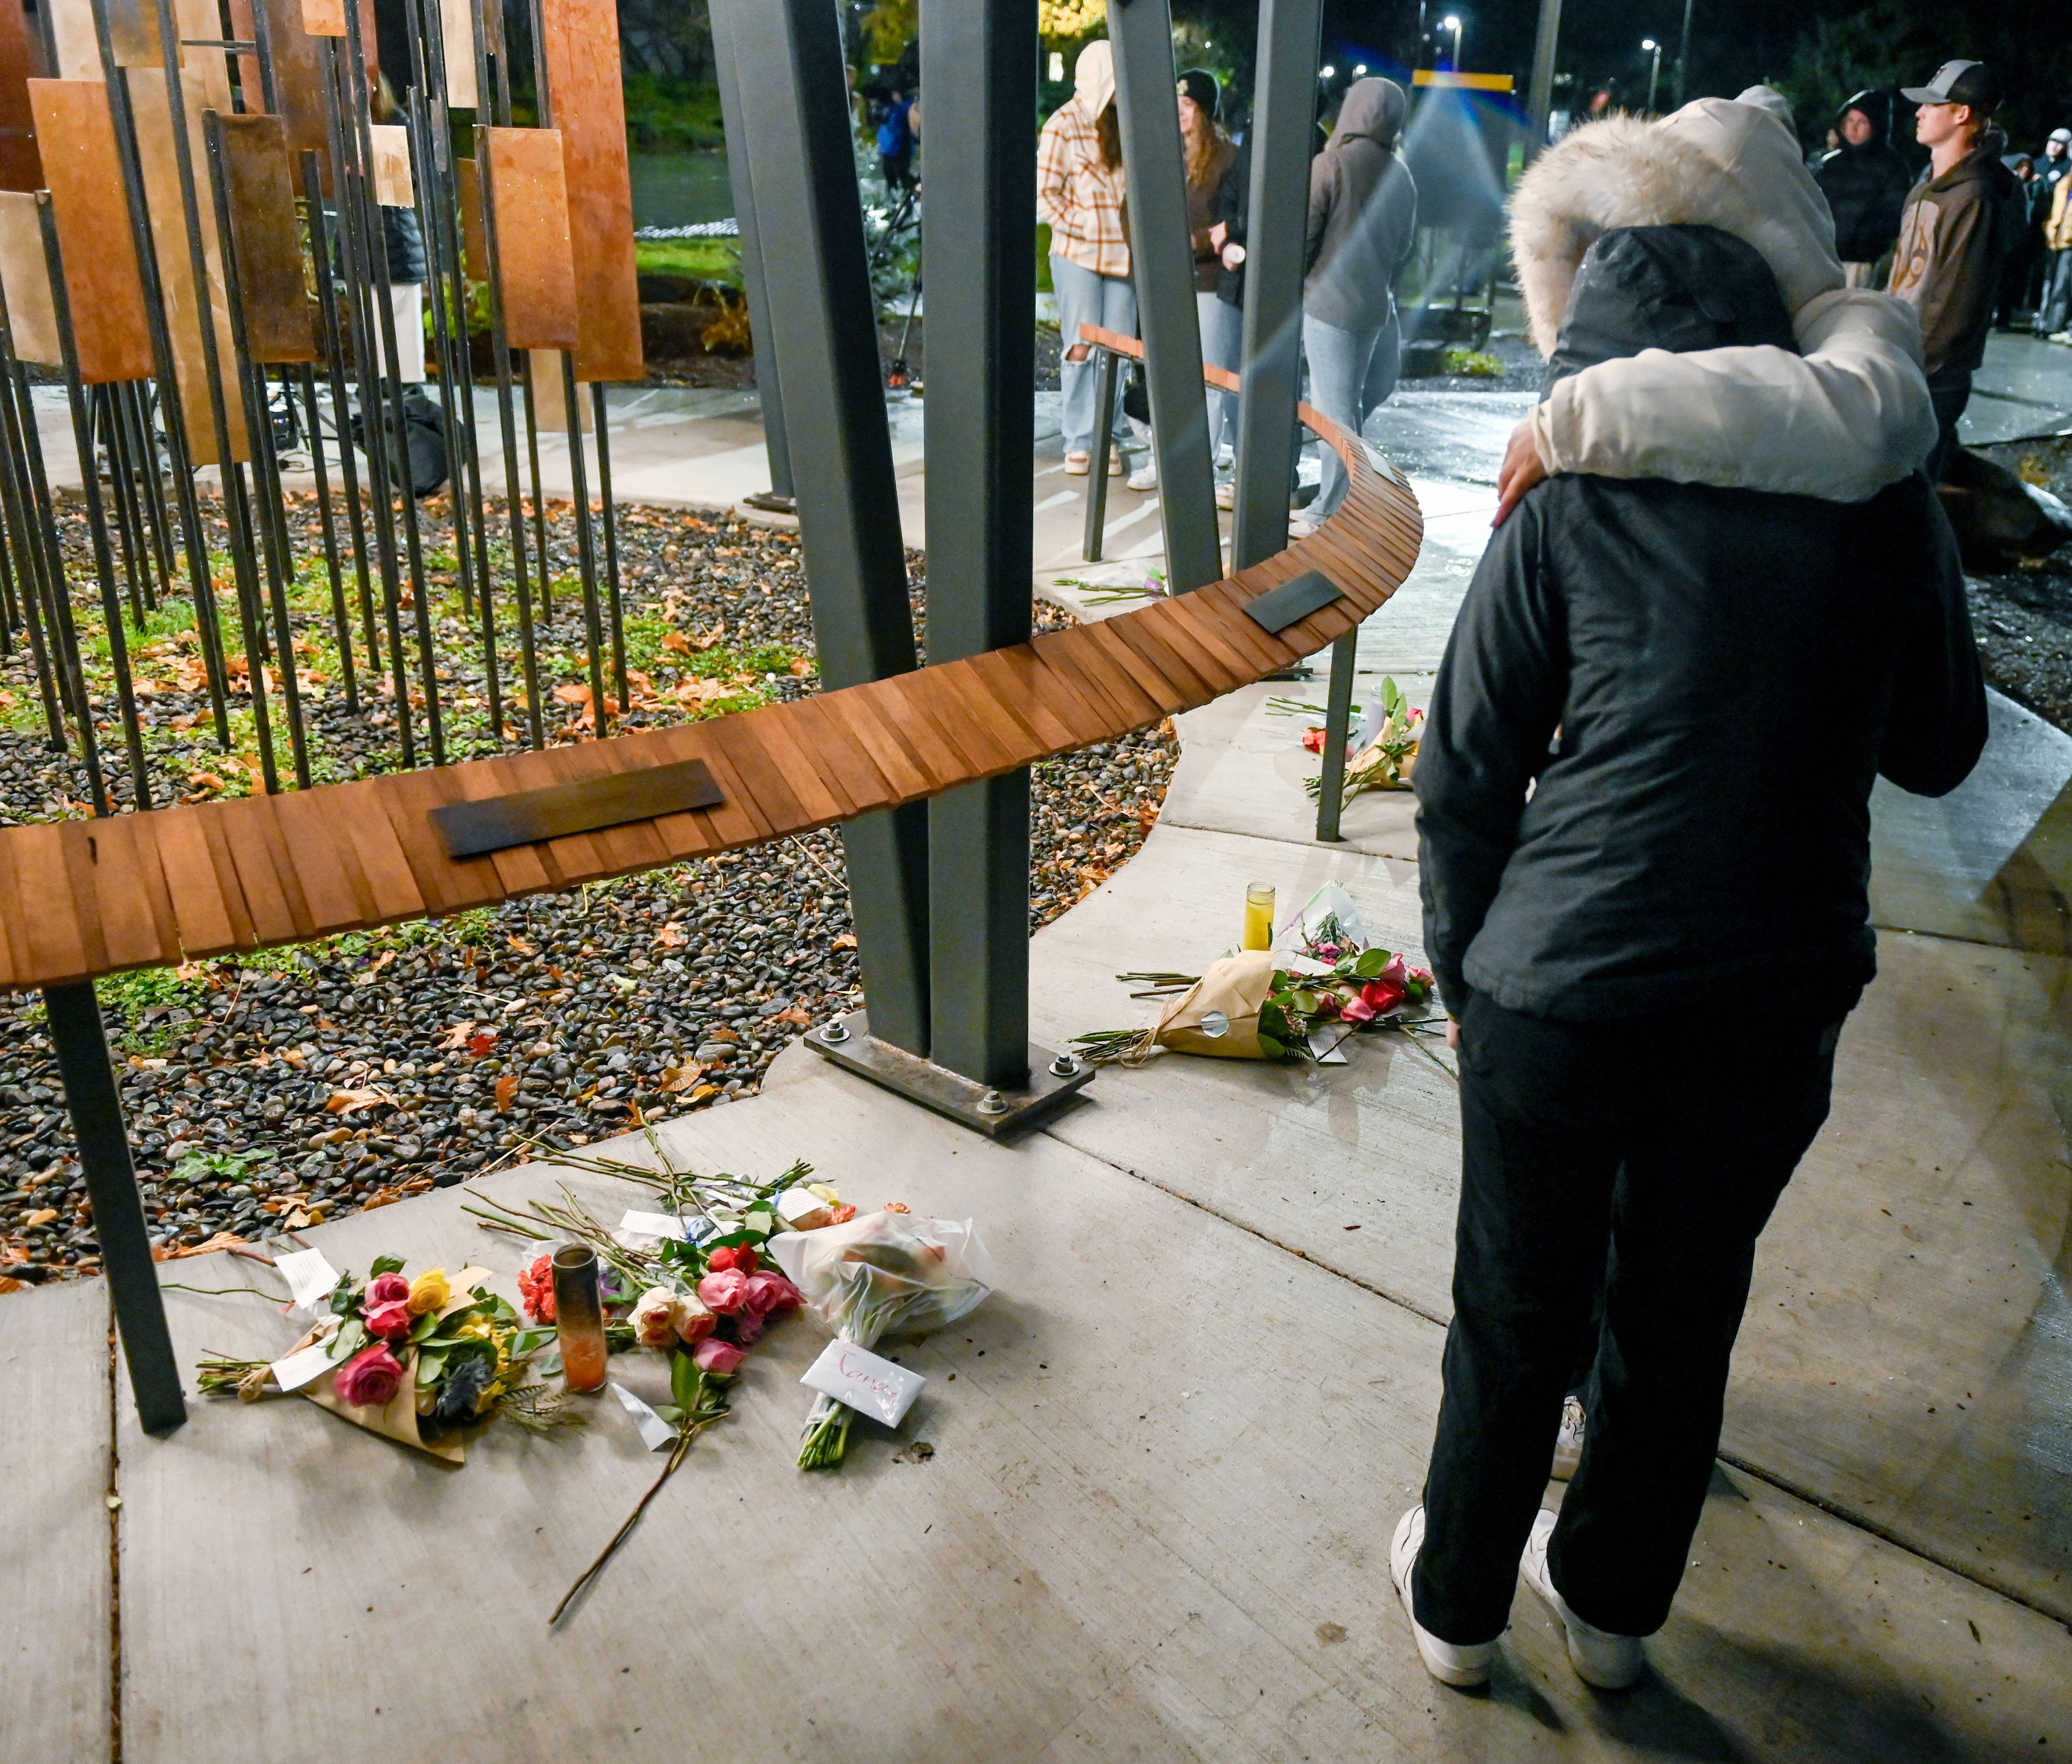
<point>26,273</point>
<point>259,184</point>
<point>582,40</point>
<point>528,212</point>
<point>111,330</point>
<point>1293,601</point>
<point>19,167</point>
<point>495,823</point>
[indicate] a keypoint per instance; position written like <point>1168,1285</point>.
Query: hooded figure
<point>1650,752</point>
<point>1362,224</point>
<point>1846,415</point>
<point>1865,182</point>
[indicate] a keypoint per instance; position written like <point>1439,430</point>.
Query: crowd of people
<point>1721,599</point>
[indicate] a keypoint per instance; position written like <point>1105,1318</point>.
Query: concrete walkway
<point>1154,1523</point>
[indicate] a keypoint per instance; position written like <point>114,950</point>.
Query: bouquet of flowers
<point>415,1360</point>
<point>1381,756</point>
<point>884,1274</point>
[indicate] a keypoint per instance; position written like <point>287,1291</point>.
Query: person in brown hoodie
<point>1953,236</point>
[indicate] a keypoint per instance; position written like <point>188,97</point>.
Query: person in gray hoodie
<point>1362,219</point>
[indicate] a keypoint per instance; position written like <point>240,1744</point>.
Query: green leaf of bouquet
<point>349,1341</point>
<point>1271,1046</point>
<point>425,1327</point>
<point>1370,962</point>
<point>431,1364</point>
<point>1304,1003</point>
<point>669,1411</point>
<point>385,1264</point>
<point>684,1378</point>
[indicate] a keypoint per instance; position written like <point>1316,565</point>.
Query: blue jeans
<point>1084,298</point>
<point>1223,343</point>
<point>2056,311</point>
<point>1351,373</point>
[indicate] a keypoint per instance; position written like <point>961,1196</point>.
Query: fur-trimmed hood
<point>1734,164</point>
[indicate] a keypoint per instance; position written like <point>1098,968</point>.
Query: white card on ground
<point>654,1432</point>
<point>1324,1047</point>
<point>303,1367</point>
<point>653,1224</point>
<point>1305,964</point>
<point>869,1383</point>
<point>311,1278</point>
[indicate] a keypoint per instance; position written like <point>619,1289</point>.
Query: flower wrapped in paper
<point>883,1273</point>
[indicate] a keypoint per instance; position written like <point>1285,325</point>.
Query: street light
<point>1654,69</point>
<point>1452,23</point>
<point>1359,70</point>
<point>1327,72</point>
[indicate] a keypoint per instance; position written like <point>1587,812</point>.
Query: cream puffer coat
<point>1847,415</point>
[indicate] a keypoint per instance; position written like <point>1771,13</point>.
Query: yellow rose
<point>429,1291</point>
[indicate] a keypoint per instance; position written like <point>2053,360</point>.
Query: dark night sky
<point>1817,50</point>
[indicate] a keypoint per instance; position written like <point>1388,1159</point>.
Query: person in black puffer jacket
<point>1865,182</point>
<point>1643,789</point>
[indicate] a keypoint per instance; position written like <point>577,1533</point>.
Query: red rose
<point>383,1288</point>
<point>1383,996</point>
<point>369,1379</point>
<point>740,1257</point>
<point>769,1294</point>
<point>390,1319</point>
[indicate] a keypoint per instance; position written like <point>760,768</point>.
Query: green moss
<point>707,260</point>
<point>662,112</point>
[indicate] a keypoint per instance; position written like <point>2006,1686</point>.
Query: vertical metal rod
<point>608,520</point>
<point>539,497</point>
<point>384,314</point>
<point>1161,261</point>
<point>1284,135</point>
<point>97,526</point>
<point>57,605</point>
<point>320,250</point>
<point>980,266</point>
<point>243,566</point>
<point>1337,730</point>
<point>824,331</point>
<point>352,235</point>
<point>1105,369</point>
<point>128,537</point>
<point>29,533</point>
<point>500,342</point>
<point>341,618</point>
<point>769,389</point>
<point>586,541</point>
<point>259,426</point>
<point>155,488</point>
<point>92,1100</point>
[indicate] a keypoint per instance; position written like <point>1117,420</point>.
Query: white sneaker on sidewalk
<point>1145,477</point>
<point>1569,1442</point>
<point>1078,465</point>
<point>1448,1663</point>
<point>1610,1662</point>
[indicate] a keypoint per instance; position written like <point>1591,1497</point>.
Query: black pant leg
<point>1730,1116</point>
<point>1539,1107</point>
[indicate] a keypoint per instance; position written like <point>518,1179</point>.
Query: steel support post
<point>979,263</point>
<point>1539,100</point>
<point>81,1047</point>
<point>1163,265</point>
<point>1338,727</point>
<point>769,389</point>
<point>1284,134</point>
<point>823,327</point>
<point>1095,541</point>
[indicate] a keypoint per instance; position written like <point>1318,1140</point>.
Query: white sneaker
<point>1145,477</point>
<point>1450,1664</point>
<point>1610,1662</point>
<point>1569,1442</point>
<point>1114,462</point>
<point>2062,336</point>
<point>1078,465</point>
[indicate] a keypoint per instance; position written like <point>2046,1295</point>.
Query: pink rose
<point>383,1288</point>
<point>390,1318</point>
<point>720,1358</point>
<point>725,1292</point>
<point>655,1318</point>
<point>1357,1010</point>
<point>370,1379</point>
<point>694,1322</point>
<point>771,1292</point>
<point>747,1327</point>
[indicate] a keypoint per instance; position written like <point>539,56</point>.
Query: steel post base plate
<point>997,1113</point>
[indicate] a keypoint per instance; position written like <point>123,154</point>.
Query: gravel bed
<point>2023,619</point>
<point>286,1086</point>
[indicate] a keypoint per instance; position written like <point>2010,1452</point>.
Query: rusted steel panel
<point>258,181</point>
<point>529,207</point>
<point>583,79</point>
<point>110,328</point>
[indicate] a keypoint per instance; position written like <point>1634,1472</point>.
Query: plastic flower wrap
<point>1383,752</point>
<point>883,1273</point>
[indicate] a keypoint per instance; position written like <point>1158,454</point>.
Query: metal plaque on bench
<point>495,823</point>
<point>1293,601</point>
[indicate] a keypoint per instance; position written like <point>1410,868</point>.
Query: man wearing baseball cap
<point>1953,236</point>
<point>2054,310</point>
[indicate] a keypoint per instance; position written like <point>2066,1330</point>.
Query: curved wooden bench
<point>79,898</point>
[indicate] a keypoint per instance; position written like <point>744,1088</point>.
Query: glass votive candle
<point>579,1317</point>
<point>1259,916</point>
